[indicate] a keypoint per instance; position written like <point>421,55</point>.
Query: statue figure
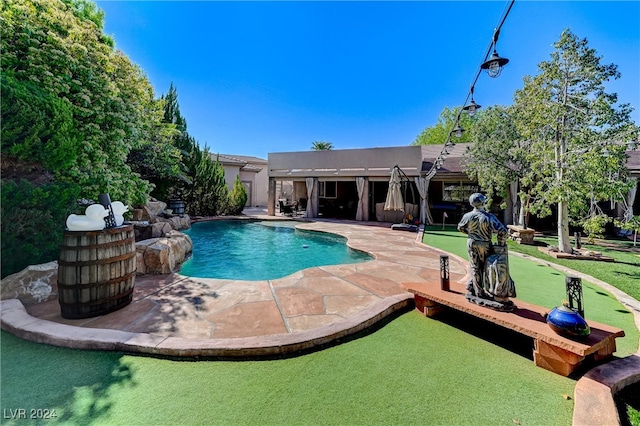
<point>490,284</point>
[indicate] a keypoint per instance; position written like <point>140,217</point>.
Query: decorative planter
<point>566,322</point>
<point>96,271</point>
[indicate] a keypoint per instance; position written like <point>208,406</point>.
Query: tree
<point>575,131</point>
<point>208,194</point>
<point>36,126</point>
<point>73,109</point>
<point>58,49</point>
<point>237,197</point>
<point>322,146</point>
<point>201,183</point>
<point>439,133</point>
<point>497,158</point>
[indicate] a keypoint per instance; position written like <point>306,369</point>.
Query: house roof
<point>377,162</point>
<point>453,164</point>
<point>633,162</point>
<point>451,167</point>
<point>242,159</point>
<point>246,163</point>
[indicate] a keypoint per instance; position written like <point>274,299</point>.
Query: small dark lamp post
<point>574,294</point>
<point>444,272</point>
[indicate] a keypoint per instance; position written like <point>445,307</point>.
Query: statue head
<point>477,200</point>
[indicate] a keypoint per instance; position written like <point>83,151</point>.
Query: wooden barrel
<point>177,206</point>
<point>96,271</point>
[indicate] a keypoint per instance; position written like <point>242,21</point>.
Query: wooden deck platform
<point>551,351</point>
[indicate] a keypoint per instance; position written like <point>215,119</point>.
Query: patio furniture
<point>287,209</point>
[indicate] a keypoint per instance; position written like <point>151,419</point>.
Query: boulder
<point>34,284</point>
<point>152,220</point>
<point>162,255</point>
<point>158,259</point>
<point>155,207</point>
<point>160,229</point>
<point>138,214</point>
<point>180,223</point>
<point>142,230</point>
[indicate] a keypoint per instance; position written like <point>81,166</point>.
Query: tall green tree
<point>59,48</point>
<point>498,156</point>
<point>439,132</point>
<point>74,109</point>
<point>201,183</point>
<point>576,129</point>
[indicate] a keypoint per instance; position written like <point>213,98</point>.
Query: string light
<point>493,66</point>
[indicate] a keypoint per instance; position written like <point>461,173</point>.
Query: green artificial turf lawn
<point>624,274</point>
<point>545,286</point>
<point>414,370</point>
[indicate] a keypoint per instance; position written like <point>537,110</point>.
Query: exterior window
<point>328,189</point>
<point>458,192</point>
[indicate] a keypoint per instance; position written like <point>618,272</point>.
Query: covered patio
<point>353,183</point>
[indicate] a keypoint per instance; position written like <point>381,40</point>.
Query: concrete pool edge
<point>15,320</point>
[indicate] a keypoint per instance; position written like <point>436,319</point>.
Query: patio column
<point>271,200</point>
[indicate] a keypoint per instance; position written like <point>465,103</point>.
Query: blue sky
<point>260,77</point>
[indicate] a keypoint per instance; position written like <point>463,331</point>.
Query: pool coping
<point>17,321</point>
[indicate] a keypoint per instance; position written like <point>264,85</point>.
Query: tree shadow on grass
<point>73,385</point>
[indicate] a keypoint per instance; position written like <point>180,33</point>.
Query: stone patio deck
<point>175,315</point>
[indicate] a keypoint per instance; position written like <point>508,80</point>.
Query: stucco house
<point>353,183</point>
<point>252,172</point>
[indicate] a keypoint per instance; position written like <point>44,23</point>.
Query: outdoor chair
<point>286,209</point>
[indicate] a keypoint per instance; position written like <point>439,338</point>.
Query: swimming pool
<point>254,250</point>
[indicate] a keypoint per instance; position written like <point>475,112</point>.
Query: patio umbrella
<point>394,199</point>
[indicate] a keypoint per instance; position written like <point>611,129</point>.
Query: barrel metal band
<point>97,261</point>
<point>100,284</point>
<point>130,240</point>
<point>101,301</point>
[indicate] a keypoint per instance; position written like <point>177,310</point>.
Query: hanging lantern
<point>458,131</point>
<point>494,65</point>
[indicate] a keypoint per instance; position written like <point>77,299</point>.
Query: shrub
<point>237,197</point>
<point>33,220</point>
<point>594,226</point>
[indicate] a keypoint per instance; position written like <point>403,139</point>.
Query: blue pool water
<point>248,250</point>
